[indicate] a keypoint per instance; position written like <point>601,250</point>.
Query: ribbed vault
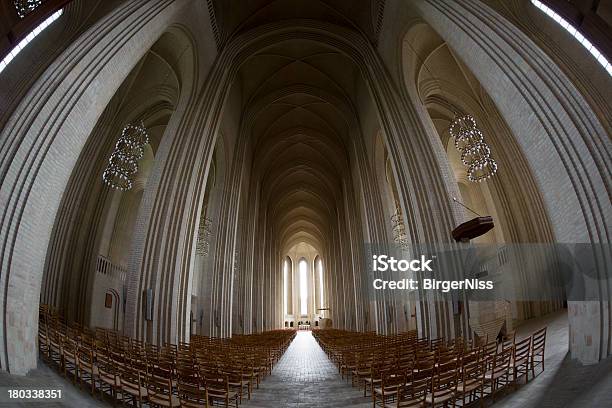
<point>299,92</point>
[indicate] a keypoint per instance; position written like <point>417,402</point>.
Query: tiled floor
<point>565,382</point>
<point>304,377</point>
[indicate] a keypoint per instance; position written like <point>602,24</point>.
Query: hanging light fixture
<point>475,152</point>
<point>400,237</point>
<point>123,162</point>
<point>204,234</point>
<point>25,7</point>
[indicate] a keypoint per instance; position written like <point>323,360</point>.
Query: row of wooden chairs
<point>201,373</point>
<point>405,371</point>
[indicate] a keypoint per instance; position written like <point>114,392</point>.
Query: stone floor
<point>565,382</point>
<point>304,377</point>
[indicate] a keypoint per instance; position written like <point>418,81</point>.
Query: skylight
<point>22,44</point>
<point>576,34</point>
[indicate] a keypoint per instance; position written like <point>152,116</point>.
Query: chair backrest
<point>444,356</point>
<point>85,358</point>
<point>521,350</point>
<point>490,350</point>
<point>443,385</point>
<point>191,389</point>
<point>159,388</point>
<point>131,379</point>
<point>471,355</point>
<point>437,343</point>
<point>414,392</point>
<point>446,367</point>
<point>539,340</point>
<point>473,371</point>
<point>391,381</point>
<point>106,365</point>
<point>509,340</point>
<point>69,348</point>
<point>501,361</point>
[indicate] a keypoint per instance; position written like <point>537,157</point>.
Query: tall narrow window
<point>303,268</point>
<point>285,281</point>
<point>17,49</point>
<point>320,267</point>
<point>288,285</point>
<point>601,58</point>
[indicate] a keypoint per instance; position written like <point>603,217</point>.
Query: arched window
<point>320,272</point>
<point>287,279</point>
<point>303,270</point>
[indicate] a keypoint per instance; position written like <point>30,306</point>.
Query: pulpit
<point>472,229</point>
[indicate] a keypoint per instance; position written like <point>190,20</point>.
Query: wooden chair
<point>446,367</point>
<point>44,342</point>
<point>471,382</point>
<point>219,391</point>
<point>498,371</point>
<point>386,393</point>
<point>69,359</point>
<point>538,344</point>
<point>436,344</point>
<point>446,356</point>
<point>374,378</point>
<point>132,385</point>
<point>362,370</point>
<point>443,389</point>
<point>489,350</point>
<point>108,376</point>
<point>471,356</point>
<point>54,341</point>
<point>237,381</point>
<point>348,365</point>
<point>413,393</point>
<point>425,363</point>
<point>162,367</point>
<point>159,392</point>
<point>87,371</point>
<point>520,363</point>
<point>192,391</point>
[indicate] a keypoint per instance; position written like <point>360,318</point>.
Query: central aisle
<point>305,377</point>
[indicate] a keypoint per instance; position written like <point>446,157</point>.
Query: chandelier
<point>24,7</point>
<point>475,153</point>
<point>204,234</point>
<point>123,162</point>
<point>399,229</point>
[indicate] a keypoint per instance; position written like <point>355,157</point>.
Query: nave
<point>185,183</point>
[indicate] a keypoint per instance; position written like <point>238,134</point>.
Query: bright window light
<point>286,285</point>
<point>321,282</point>
<point>574,32</point>
<point>303,287</point>
<point>22,44</point>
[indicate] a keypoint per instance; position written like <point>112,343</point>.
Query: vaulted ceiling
<point>298,100</point>
<point>233,16</point>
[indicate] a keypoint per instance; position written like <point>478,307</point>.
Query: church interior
<point>193,192</point>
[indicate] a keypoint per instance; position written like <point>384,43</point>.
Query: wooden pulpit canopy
<point>473,228</point>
